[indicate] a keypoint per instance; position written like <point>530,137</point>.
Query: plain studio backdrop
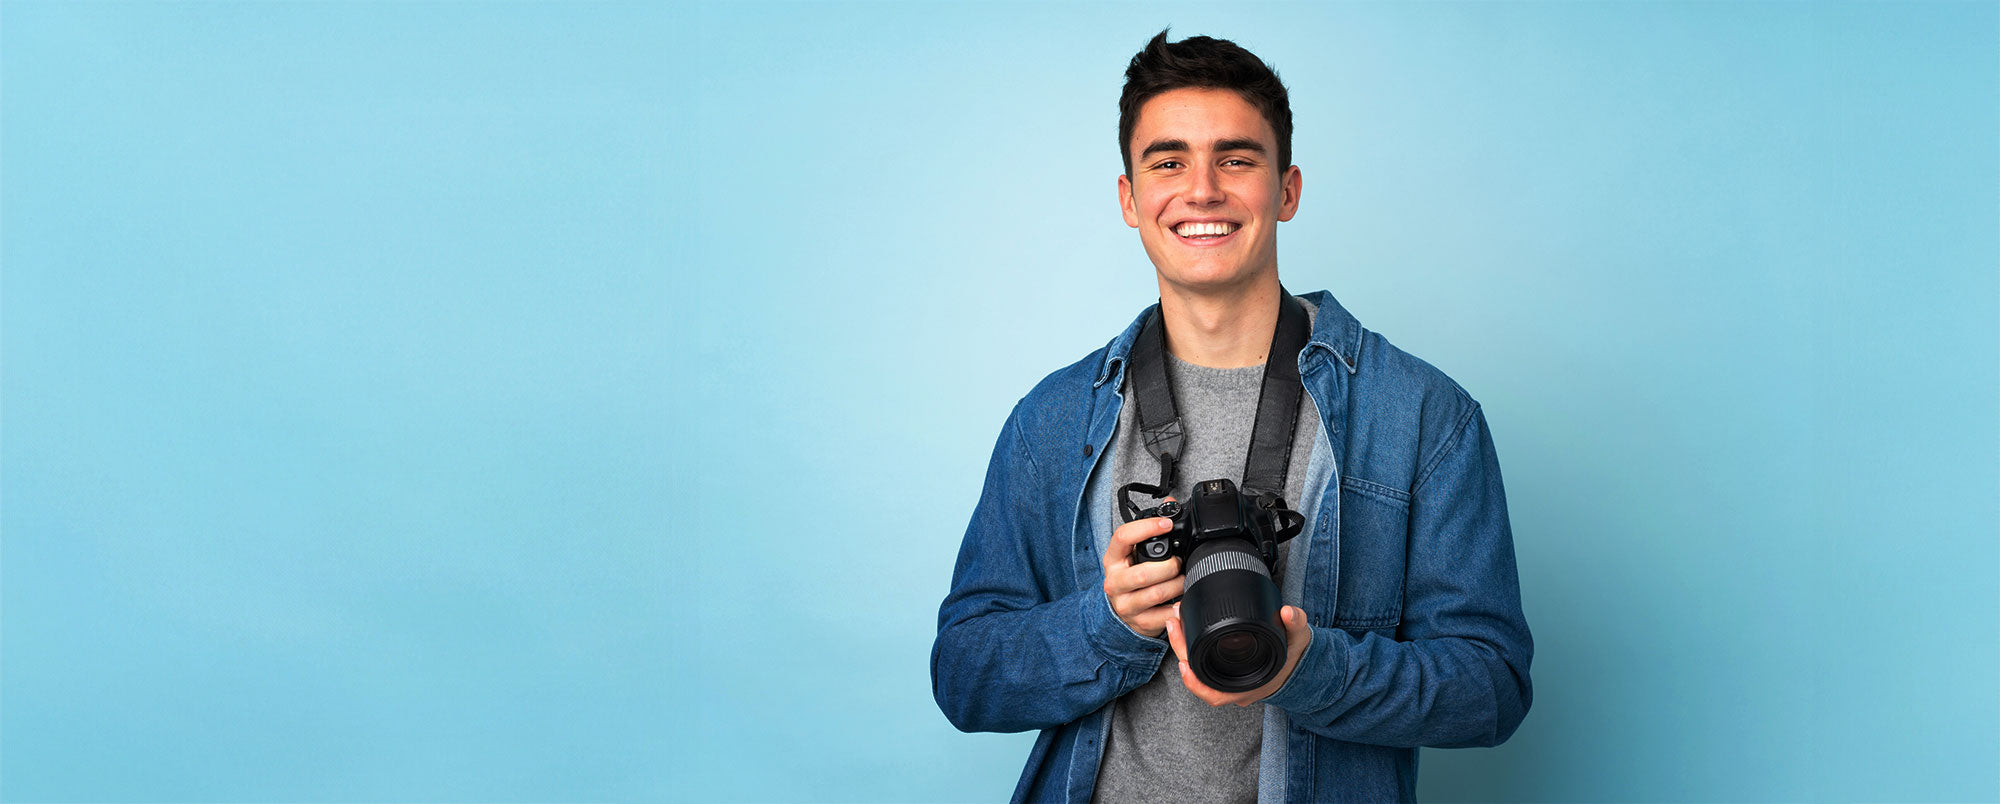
<point>528,401</point>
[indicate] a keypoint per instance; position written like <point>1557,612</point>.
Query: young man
<point>1402,625</point>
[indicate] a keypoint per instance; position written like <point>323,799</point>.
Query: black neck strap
<point>1277,403</point>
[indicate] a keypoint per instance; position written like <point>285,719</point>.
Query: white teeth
<point>1193,229</point>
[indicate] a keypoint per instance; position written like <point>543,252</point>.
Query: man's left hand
<point>1297,635</point>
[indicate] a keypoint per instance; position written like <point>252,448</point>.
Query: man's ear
<point>1289,205</point>
<point>1125,202</point>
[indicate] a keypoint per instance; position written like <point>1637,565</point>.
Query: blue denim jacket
<point>1405,572</point>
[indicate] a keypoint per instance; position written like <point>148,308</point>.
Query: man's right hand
<point>1139,593</point>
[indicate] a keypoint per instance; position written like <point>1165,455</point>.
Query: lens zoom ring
<point>1221,560</point>
<point>1230,607</point>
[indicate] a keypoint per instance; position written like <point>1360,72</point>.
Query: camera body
<point>1217,510</point>
<point>1228,545</point>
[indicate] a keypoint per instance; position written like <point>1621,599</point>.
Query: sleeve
<point>1456,675</point>
<point>1016,649</point>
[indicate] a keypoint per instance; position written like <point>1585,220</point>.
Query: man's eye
<point>1167,165</point>
<point>1241,162</point>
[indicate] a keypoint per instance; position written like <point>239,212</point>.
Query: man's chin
<point>1212,280</point>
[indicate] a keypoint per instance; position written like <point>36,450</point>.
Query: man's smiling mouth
<point>1200,231</point>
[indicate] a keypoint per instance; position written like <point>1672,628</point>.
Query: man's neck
<point>1228,328</point>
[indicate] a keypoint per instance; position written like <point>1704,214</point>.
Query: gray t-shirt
<point>1165,744</point>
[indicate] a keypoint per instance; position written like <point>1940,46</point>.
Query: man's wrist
<point>1113,636</point>
<point>1318,677</point>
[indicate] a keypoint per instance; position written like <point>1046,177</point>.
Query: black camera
<point>1228,545</point>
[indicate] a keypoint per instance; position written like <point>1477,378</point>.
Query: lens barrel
<point>1230,612</point>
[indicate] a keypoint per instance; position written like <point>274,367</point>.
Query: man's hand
<point>1139,592</point>
<point>1297,635</point>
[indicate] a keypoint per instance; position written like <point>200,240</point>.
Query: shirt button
<point>1087,448</point>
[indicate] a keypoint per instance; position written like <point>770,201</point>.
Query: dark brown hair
<point>1199,62</point>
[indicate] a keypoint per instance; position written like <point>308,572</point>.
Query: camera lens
<point>1238,648</point>
<point>1230,613</point>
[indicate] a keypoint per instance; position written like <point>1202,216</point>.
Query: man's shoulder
<point>1403,379</point>
<point>1406,413</point>
<point>1383,375</point>
<point>1061,402</point>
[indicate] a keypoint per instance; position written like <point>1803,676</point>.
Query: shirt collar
<point>1334,330</point>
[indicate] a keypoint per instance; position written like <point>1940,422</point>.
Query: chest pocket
<point>1374,536</point>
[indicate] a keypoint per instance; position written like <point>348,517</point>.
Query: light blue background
<point>532,401</point>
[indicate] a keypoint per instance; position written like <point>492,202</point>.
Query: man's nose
<point>1206,188</point>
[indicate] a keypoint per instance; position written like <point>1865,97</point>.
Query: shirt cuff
<point>1319,678</point>
<point>1115,639</point>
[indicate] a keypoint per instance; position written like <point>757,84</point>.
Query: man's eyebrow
<point>1169,146</point>
<point>1160,146</point>
<point>1239,145</point>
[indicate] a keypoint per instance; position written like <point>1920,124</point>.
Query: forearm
<point>1018,646</point>
<point>1455,673</point>
<point>1040,667</point>
<point>1447,692</point>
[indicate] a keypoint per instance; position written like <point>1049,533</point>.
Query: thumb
<point>1295,621</point>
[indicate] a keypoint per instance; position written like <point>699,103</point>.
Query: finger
<point>1139,530</point>
<point>1296,627</point>
<point>1175,638</point>
<point>1145,600</point>
<point>1149,573</point>
<point>1130,603</point>
<point>1152,621</point>
<point>1166,590</point>
<point>1143,576</point>
<point>1149,523</point>
<point>1125,537</point>
<point>1200,690</point>
<point>1147,627</point>
<point>1141,600</point>
<point>1121,605</point>
<point>1118,554</point>
<point>1149,621</point>
<point>1128,581</point>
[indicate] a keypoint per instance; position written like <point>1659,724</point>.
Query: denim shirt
<point>1405,572</point>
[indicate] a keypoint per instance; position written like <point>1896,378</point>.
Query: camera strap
<point>1277,402</point>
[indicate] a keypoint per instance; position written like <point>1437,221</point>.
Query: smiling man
<point>1401,622</point>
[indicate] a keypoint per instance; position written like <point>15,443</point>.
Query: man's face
<point>1205,192</point>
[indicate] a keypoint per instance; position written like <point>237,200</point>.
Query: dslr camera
<point>1228,545</point>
